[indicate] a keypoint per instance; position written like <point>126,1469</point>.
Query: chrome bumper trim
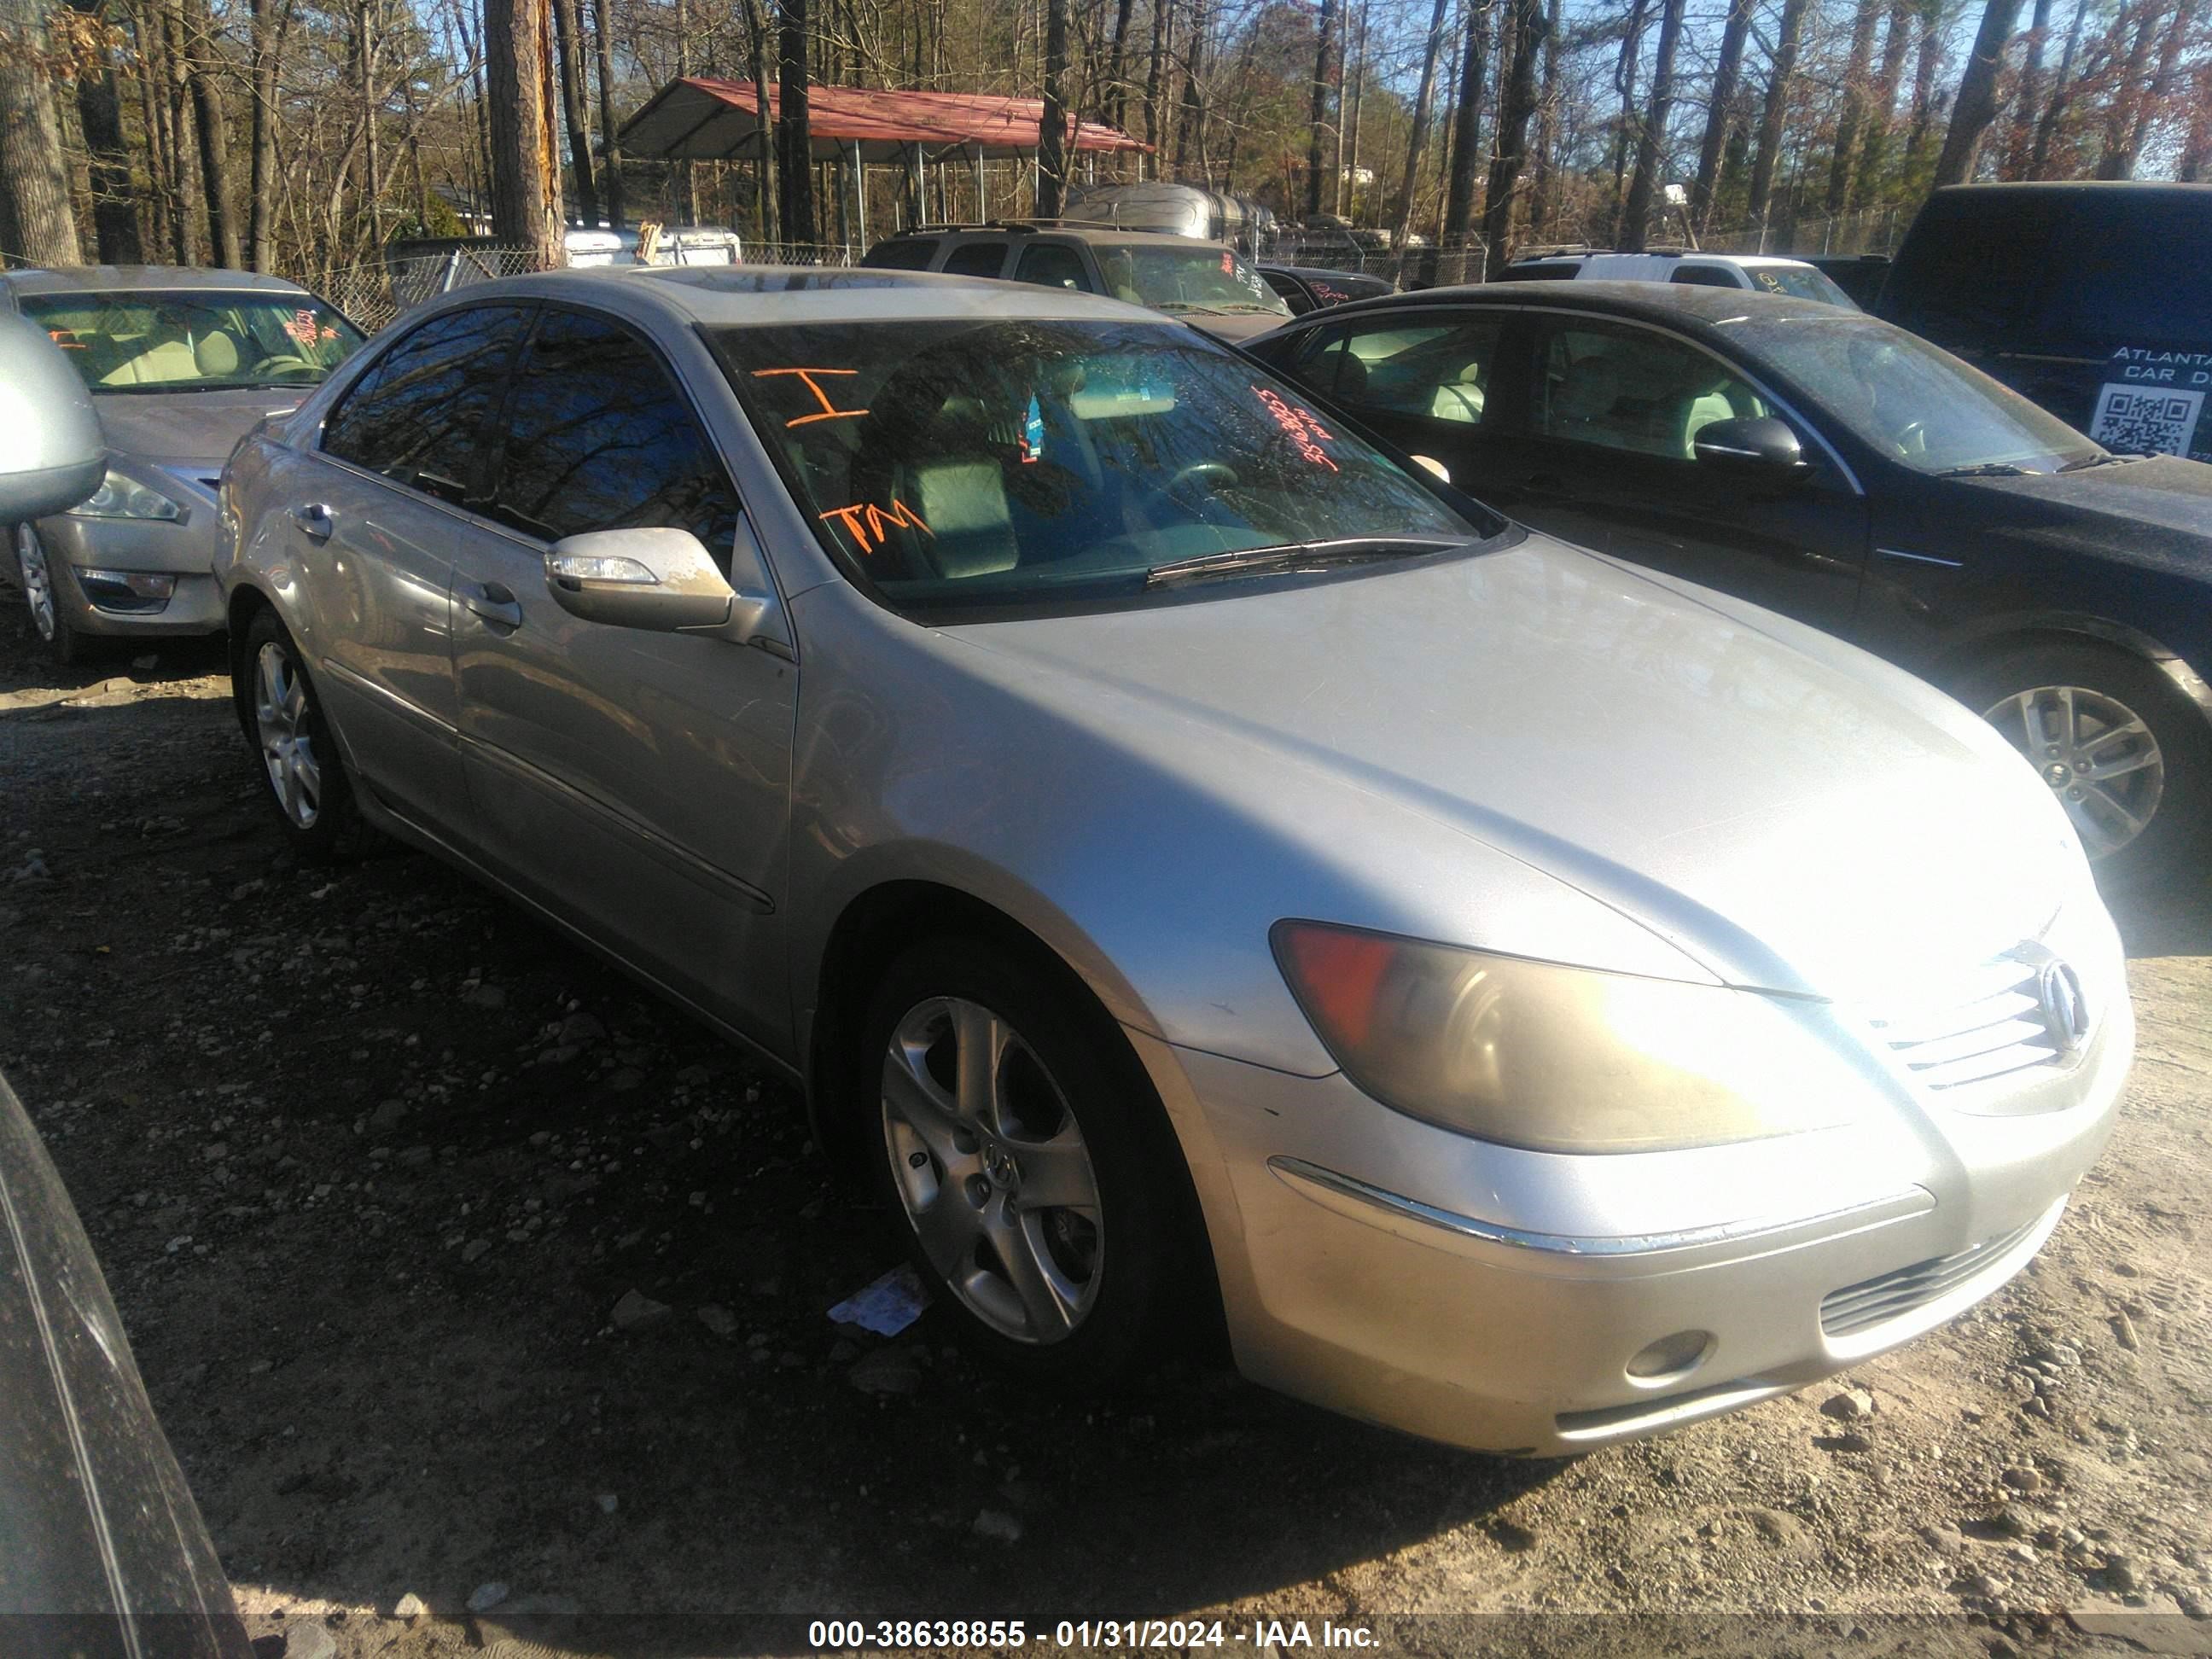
<point>1305,1178</point>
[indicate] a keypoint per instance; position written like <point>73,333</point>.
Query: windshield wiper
<point>2087,462</point>
<point>1293,556</point>
<point>1984,469</point>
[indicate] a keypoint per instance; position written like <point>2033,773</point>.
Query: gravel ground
<point>461,1271</point>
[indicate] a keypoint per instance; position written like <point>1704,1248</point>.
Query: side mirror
<point>51,453</point>
<point>1442,472</point>
<point>1762,444</point>
<point>659,580</point>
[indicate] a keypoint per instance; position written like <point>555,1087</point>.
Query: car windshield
<point>1911,402</point>
<point>1181,279</point>
<point>964,463</point>
<point>131,340</point>
<point>1799,283</point>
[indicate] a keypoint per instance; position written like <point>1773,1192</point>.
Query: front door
<point>636,783</point>
<point>1605,458</point>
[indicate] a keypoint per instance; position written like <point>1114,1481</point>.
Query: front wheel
<point>295,753</point>
<point>2126,753</point>
<point>1018,1148</point>
<point>35,569</point>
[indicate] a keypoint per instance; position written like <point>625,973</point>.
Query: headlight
<point>119,497</point>
<point>1557,1059</point>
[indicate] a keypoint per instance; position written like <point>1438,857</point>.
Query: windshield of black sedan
<point>967,462</point>
<point>207,340</point>
<point>1912,402</point>
<point>1178,277</point>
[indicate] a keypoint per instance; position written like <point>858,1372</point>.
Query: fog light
<point>1671,1356</point>
<point>132,591</point>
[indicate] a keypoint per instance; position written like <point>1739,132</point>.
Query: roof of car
<point>1667,302</point>
<point>721,295</point>
<point>95,279</point>
<point>1081,230</point>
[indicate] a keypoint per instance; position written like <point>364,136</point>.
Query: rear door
<point>1604,458</point>
<point>1054,265</point>
<point>985,256</point>
<point>379,510</point>
<point>634,783</point>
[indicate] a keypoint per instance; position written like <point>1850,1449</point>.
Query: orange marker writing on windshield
<point>867,522</point>
<point>829,410</point>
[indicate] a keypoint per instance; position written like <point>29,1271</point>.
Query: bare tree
<point>212,122</point>
<point>568,35</point>
<point>1786,36</point>
<point>525,201</point>
<point>795,154</point>
<point>1467,133</point>
<point>2061,91</point>
<point>1843,156</point>
<point>35,222</point>
<point>1323,25</point>
<point>1976,105</point>
<point>602,40</point>
<point>99,113</point>
<point>1719,113</point>
<point>1636,223</point>
<point>1402,223</point>
<point>1882,120</point>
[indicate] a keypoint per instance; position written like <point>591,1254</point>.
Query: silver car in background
<point>180,363</point>
<point>1198,866</point>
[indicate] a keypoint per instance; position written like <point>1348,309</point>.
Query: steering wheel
<point>271,365</point>
<point>1220,472</point>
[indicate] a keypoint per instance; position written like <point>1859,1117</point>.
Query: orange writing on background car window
<point>866,523</point>
<point>829,410</point>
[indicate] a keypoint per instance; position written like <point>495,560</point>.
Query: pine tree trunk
<point>575,106</point>
<point>1318,111</point>
<point>261,210</point>
<point>1976,104</point>
<point>1843,158</point>
<point>114,206</point>
<point>1052,131</point>
<point>794,139</point>
<point>764,192</point>
<point>2027,96</point>
<point>1467,134</point>
<point>610,175</point>
<point>36,223</point>
<point>1881,118</point>
<point>1770,118</point>
<point>524,187</point>
<point>1547,117</point>
<point>2061,93</point>
<point>1726,73</point>
<point>212,120</point>
<point>1636,220</point>
<point>1529,23</point>
<point>1402,220</point>
<point>1115,100</point>
<point>1155,74</point>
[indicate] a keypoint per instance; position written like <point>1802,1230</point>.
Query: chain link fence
<point>1877,231</point>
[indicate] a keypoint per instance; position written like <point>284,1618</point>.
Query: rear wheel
<point>2126,753</point>
<point>293,752</point>
<point>1018,1148</point>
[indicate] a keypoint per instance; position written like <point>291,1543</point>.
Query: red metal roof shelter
<point>701,118</point>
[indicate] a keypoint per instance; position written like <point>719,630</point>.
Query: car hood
<point>2155,513</point>
<point>194,428</point>
<point>1789,812</point>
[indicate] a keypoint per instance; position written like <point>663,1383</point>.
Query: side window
<point>1704,276</point>
<point>1436,371</point>
<point>1287,289</point>
<point>1629,389</point>
<point>977,259</point>
<point>1052,264</point>
<point>599,439</point>
<point>902,253</point>
<point>417,415</point>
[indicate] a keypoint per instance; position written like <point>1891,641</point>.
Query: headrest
<point>216,354</point>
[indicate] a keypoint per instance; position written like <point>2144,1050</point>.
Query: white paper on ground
<point>886,1307</point>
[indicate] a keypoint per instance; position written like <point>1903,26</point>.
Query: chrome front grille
<point>1873,1302</point>
<point>1987,1025</point>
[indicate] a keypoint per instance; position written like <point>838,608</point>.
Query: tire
<point>34,571</point>
<point>294,754</point>
<point>2128,754</point>
<point>1077,1293</point>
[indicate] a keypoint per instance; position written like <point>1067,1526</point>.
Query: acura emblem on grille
<point>2065,1011</point>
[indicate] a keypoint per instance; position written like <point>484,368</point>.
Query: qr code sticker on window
<point>2139,421</point>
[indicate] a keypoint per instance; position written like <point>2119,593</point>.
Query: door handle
<point>314,521</point>
<point>492,601</point>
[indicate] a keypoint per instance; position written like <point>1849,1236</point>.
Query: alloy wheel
<point>992,1171</point>
<point>2097,755</point>
<point>38,580</point>
<point>284,720</point>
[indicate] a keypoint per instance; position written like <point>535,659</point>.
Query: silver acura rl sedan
<point>1200,867</point>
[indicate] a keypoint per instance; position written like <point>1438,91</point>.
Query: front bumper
<point>183,548</point>
<point>1497,1298</point>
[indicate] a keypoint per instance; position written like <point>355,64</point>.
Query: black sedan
<point>1307,287</point>
<point>1846,473</point>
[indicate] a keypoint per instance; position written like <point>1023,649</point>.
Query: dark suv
<point>2095,299</point>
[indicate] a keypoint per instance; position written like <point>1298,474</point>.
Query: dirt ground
<point>371,1160</point>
